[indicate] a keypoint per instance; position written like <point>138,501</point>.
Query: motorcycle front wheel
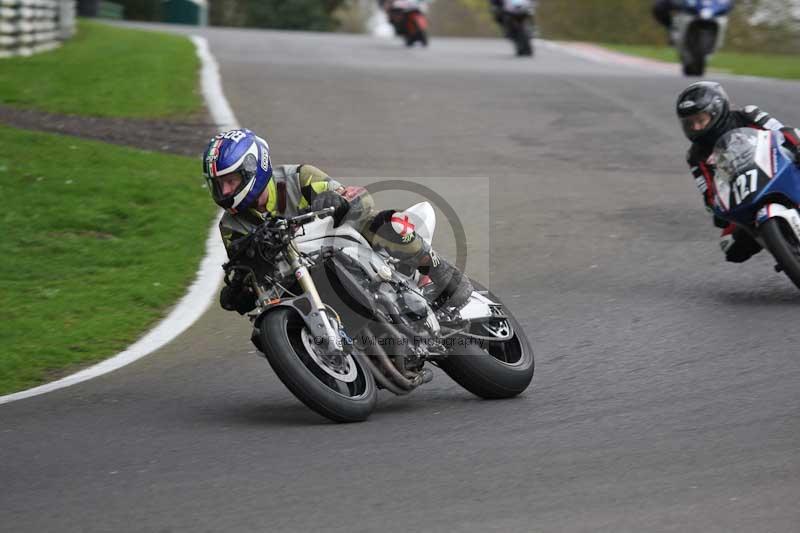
<point>701,42</point>
<point>338,387</point>
<point>694,66</point>
<point>524,40</point>
<point>783,244</point>
<point>492,370</point>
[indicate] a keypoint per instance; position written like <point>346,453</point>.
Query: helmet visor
<point>229,189</point>
<point>697,124</point>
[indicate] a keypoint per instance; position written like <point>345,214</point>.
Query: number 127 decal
<point>744,185</point>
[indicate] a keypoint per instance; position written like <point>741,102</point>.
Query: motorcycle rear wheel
<point>417,35</point>
<point>524,48</point>
<point>524,40</point>
<point>784,246</point>
<point>349,398</point>
<point>415,30</point>
<point>492,370</point>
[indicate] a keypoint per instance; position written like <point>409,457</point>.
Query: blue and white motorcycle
<point>757,187</point>
<point>698,29</point>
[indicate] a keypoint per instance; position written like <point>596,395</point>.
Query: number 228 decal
<point>744,185</point>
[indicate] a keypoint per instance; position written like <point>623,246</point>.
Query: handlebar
<point>274,232</point>
<point>278,231</point>
<point>308,217</point>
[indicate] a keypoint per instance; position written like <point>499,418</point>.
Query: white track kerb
<point>200,294</point>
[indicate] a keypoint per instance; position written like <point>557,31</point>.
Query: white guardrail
<point>31,26</point>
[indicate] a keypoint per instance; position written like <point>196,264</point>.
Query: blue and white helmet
<point>240,151</point>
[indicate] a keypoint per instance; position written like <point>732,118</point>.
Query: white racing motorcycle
<point>698,30</point>
<point>518,24</point>
<point>338,320</point>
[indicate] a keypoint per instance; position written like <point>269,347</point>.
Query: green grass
<point>107,71</point>
<point>98,241</point>
<point>772,66</point>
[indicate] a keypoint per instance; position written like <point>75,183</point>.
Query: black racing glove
<point>327,199</point>
<point>720,222</point>
<point>236,297</point>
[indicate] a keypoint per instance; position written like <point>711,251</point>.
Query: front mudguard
<point>302,305</point>
<point>684,23</point>
<point>790,215</point>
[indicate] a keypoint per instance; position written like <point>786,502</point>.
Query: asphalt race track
<point>667,389</point>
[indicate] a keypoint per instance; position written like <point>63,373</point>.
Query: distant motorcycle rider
<point>703,109</point>
<point>242,180</point>
<point>662,11</point>
<point>498,9</point>
<point>396,13</point>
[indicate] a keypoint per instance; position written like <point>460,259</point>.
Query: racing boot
<point>450,287</point>
<point>737,245</point>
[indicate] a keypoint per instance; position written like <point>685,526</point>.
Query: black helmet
<point>700,97</point>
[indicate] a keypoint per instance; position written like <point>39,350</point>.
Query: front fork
<point>306,282</point>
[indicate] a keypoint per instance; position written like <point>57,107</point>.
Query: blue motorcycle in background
<point>757,187</point>
<point>698,29</point>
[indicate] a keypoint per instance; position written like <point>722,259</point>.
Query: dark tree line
<point>278,14</point>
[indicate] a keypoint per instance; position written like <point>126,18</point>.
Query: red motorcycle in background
<point>409,20</point>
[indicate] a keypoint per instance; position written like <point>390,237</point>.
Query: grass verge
<point>107,71</point>
<point>771,66</point>
<point>98,241</point>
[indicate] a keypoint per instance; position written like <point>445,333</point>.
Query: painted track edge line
<point>199,296</point>
<point>608,56</point>
<point>598,54</point>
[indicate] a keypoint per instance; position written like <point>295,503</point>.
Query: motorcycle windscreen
<point>744,166</point>
<point>517,6</point>
<point>717,7</point>
<point>706,8</point>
